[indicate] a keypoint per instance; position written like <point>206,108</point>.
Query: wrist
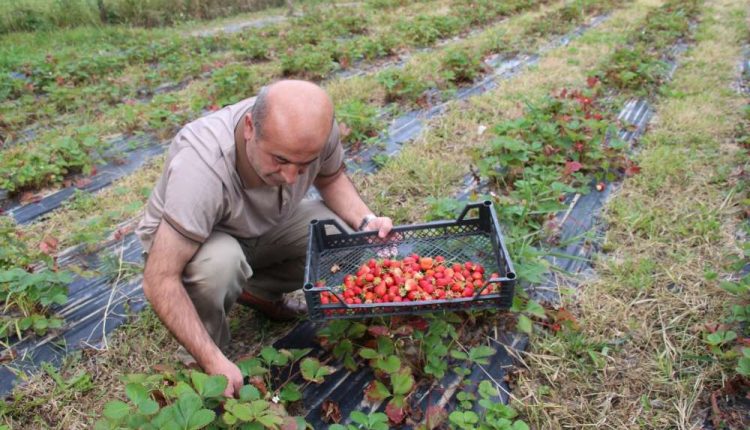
<point>366,220</point>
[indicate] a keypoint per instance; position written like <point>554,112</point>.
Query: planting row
<point>309,47</point>
<point>25,167</point>
<point>76,148</point>
<point>566,142</point>
<point>407,357</point>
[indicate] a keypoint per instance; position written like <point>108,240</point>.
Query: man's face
<point>277,163</point>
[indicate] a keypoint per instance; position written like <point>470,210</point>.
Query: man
<point>227,219</point>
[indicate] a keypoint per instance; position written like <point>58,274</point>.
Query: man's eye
<point>281,160</point>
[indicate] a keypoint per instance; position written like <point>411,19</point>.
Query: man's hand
<point>231,371</point>
<point>382,224</point>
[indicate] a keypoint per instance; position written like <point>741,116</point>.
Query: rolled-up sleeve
<point>332,157</point>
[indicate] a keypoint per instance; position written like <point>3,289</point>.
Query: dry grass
<point>667,227</point>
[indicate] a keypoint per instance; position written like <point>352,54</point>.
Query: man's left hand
<point>381,224</point>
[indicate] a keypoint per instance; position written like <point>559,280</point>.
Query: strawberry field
<point>610,137</point>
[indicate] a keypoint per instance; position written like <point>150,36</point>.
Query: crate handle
<point>320,226</point>
<point>471,206</point>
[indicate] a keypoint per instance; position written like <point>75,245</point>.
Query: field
<point>612,138</point>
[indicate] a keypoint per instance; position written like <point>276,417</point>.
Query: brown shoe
<point>284,309</point>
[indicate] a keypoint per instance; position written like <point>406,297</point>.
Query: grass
<point>666,227</point>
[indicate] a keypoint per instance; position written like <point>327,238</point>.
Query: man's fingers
<point>229,391</point>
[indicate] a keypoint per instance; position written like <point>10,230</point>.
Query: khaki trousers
<point>267,267</point>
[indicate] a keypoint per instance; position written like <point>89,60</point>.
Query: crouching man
<point>227,221</point>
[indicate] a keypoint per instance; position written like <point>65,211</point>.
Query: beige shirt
<point>202,187</point>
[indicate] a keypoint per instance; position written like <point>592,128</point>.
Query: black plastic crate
<point>477,239</point>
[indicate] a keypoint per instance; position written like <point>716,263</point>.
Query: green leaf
<point>252,367</point>
<point>273,357</point>
<point>116,410</point>
<point>390,365</point>
<point>534,308</point>
<point>290,392</point>
<point>342,348</point>
<point>359,418</point>
<point>229,418</point>
<point>463,418</point>
<point>368,353</point>
<point>459,355</point>
<point>313,371</point>
<point>148,407</point>
<point>270,421</point>
<point>240,410</point>
<point>520,425</point>
<point>402,382</point>
<point>480,354</point>
<point>524,324</point>
<point>487,390</point>
<point>249,393</point>
<point>385,345</point>
<point>137,393</point>
<point>208,386</point>
<point>297,354</point>
<point>201,419</point>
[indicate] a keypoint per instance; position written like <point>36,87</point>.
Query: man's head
<point>287,129</point>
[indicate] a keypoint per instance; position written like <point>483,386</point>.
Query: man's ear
<point>248,131</point>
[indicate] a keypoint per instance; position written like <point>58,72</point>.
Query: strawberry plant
<point>27,298</point>
<point>401,85</point>
<point>460,66</point>
<point>253,47</point>
<point>195,400</point>
<point>634,69</point>
<point>232,84</point>
<point>493,416</point>
<point>341,336</point>
<point>39,166</point>
<point>360,421</point>
<point>361,121</point>
<point>307,62</point>
<point>423,30</point>
<point>377,46</point>
<point>568,131</point>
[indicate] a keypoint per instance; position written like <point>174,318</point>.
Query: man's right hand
<point>231,371</point>
<point>162,285</point>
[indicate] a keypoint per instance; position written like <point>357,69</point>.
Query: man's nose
<point>290,173</point>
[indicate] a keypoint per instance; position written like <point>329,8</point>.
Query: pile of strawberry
<point>412,279</point>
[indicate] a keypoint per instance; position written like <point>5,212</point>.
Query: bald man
<point>228,221</point>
